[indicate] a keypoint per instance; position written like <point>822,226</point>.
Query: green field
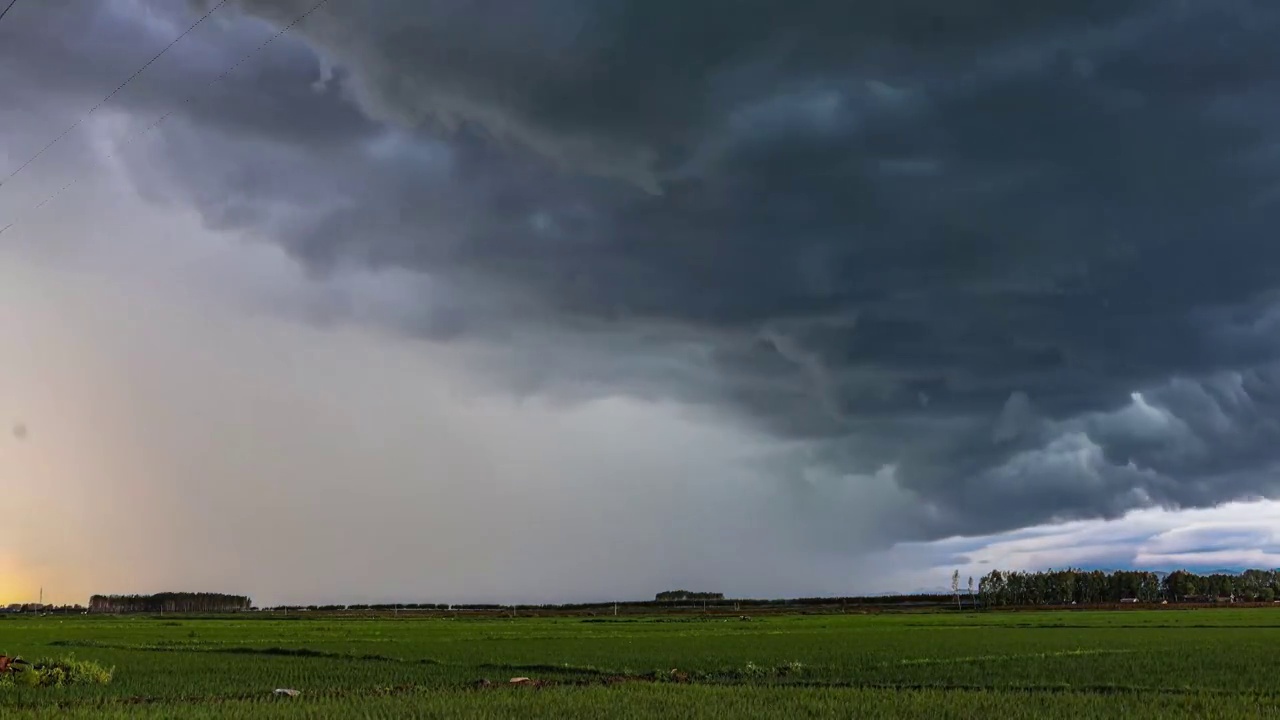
<point>1132,664</point>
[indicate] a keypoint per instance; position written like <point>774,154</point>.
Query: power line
<point>8,8</point>
<point>189,98</point>
<point>110,95</point>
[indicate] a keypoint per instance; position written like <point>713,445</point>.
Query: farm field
<point>1219,663</point>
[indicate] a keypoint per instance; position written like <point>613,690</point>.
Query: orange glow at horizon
<point>14,585</point>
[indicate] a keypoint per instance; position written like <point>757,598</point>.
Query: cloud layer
<point>980,267</point>
<point>1230,538</point>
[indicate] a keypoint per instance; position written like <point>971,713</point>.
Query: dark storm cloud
<point>627,89</point>
<point>58,59</point>
<point>951,239</point>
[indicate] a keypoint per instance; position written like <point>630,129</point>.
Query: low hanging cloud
<point>346,464</point>
<point>1228,538</point>
<point>988,267</point>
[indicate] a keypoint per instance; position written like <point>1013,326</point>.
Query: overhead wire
<point>7,8</point>
<point>187,100</point>
<point>112,94</point>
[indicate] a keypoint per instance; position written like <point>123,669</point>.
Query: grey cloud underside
<point>60,58</point>
<point>949,237</point>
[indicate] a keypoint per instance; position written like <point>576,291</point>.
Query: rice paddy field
<point>1212,663</point>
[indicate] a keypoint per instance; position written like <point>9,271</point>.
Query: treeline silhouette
<point>38,608</point>
<point>172,602</point>
<point>678,595</point>
<point>633,605</point>
<point>1071,586</point>
<point>996,589</point>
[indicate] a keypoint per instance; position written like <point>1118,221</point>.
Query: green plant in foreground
<point>61,672</point>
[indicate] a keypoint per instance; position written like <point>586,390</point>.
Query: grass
<point>1206,663</point>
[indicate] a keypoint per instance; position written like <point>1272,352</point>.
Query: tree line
<point>38,608</point>
<point>175,602</point>
<point>712,600</point>
<point>1071,586</point>
<point>675,595</point>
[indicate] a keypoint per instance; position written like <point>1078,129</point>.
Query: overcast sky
<point>571,299</point>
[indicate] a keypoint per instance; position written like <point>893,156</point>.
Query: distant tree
<point>955,586</point>
<point>1180,584</point>
<point>179,602</point>
<point>677,595</point>
<point>1077,586</point>
<point>992,589</point>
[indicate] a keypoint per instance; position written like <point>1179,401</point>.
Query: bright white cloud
<point>1235,535</point>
